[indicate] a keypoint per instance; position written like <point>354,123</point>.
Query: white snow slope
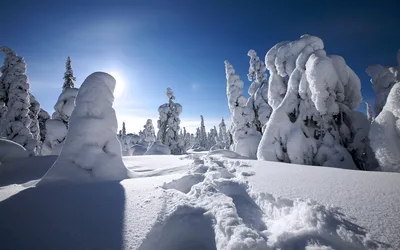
<point>201,201</point>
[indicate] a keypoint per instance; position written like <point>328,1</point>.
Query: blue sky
<point>152,45</point>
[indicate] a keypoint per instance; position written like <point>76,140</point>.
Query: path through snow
<point>214,207</point>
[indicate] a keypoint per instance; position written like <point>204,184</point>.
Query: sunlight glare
<point>120,86</point>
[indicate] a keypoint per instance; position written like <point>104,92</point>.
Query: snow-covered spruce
<point>370,114</point>
<point>91,151</point>
<point>385,133</point>
<point>383,79</point>
<point>317,111</point>
<point>57,127</point>
<point>245,136</point>
<point>43,116</point>
<point>223,137</point>
<point>258,92</point>
<point>69,77</point>
<point>203,142</point>
<point>149,136</point>
<point>128,141</point>
<point>213,139</point>
<point>34,110</point>
<point>14,92</point>
<point>168,124</point>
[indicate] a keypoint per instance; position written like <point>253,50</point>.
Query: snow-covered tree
<point>187,141</point>
<point>69,77</point>
<point>314,122</point>
<point>14,93</point>
<point>43,116</point>
<point>168,124</point>
<point>370,115</point>
<point>34,110</point>
<point>148,132</point>
<point>383,79</point>
<point>91,151</point>
<point>258,92</point>
<point>203,142</point>
<point>3,112</point>
<point>213,139</point>
<point>245,136</point>
<point>223,136</point>
<point>123,129</point>
<point>385,132</point>
<point>57,127</point>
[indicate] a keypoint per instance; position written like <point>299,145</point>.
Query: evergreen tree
<point>123,129</point>
<point>370,115</point>
<point>69,77</point>
<point>14,93</point>
<point>203,134</point>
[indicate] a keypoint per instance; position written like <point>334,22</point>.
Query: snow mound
<point>138,149</point>
<point>91,151</point>
<point>55,137</point>
<point>10,151</point>
<point>225,153</point>
<point>157,148</point>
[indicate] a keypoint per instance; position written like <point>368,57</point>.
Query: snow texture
<point>14,93</point>
<point>10,151</point>
<point>91,151</point>
<point>322,92</point>
<point>203,202</point>
<point>370,114</point>
<point>242,116</point>
<point>385,133</point>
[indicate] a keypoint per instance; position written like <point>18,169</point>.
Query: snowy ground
<point>201,202</point>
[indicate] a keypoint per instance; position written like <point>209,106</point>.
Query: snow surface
<point>10,150</point>
<point>202,201</point>
<point>157,148</point>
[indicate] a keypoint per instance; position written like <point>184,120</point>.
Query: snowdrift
<point>205,202</point>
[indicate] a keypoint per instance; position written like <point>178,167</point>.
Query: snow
<point>157,148</point>
<point>321,94</point>
<point>91,151</point>
<point>385,133</point>
<point>201,202</point>
<point>10,151</point>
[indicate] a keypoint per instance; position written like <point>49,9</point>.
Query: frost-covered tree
<point>3,112</point>
<point>314,122</point>
<point>123,129</point>
<point>69,77</point>
<point>383,79</point>
<point>43,116</point>
<point>148,132</point>
<point>384,134</point>
<point>245,136</point>
<point>213,139</point>
<point>91,151</point>
<point>187,141</point>
<point>14,93</point>
<point>223,136</point>
<point>203,142</point>
<point>57,127</point>
<point>370,115</point>
<point>258,92</point>
<point>168,124</point>
<point>34,110</point>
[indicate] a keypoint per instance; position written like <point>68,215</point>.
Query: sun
<point>120,86</point>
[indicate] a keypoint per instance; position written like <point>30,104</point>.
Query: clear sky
<point>152,45</point>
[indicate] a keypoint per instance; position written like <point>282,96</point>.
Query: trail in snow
<point>213,207</point>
